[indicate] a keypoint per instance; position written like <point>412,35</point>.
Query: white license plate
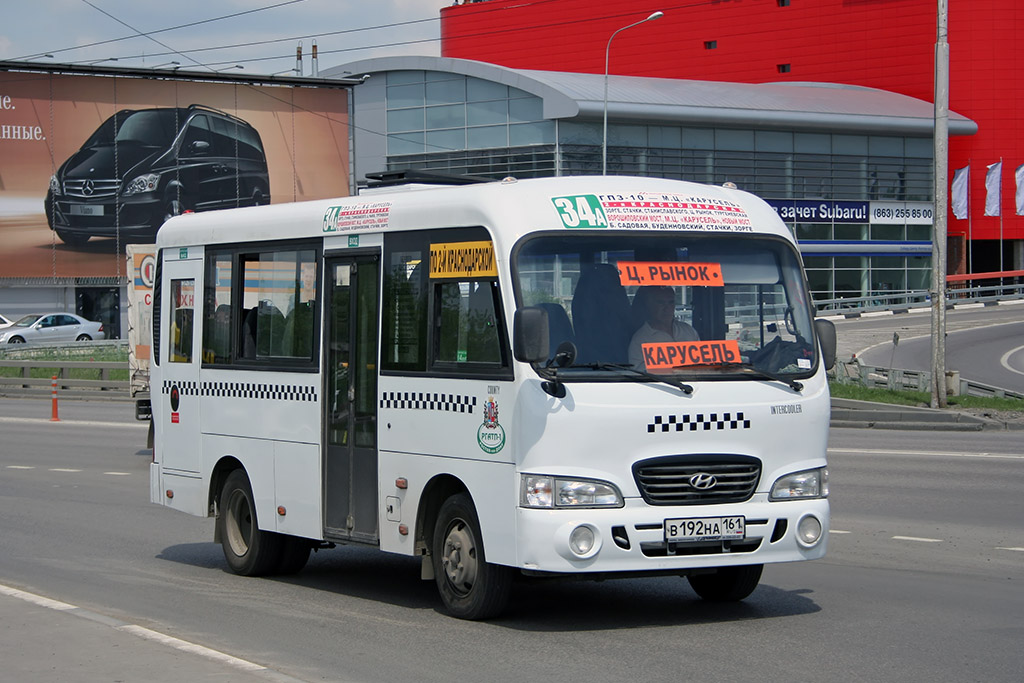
<point>86,209</point>
<point>705,529</point>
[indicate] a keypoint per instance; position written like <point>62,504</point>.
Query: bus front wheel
<point>727,584</point>
<point>470,587</point>
<point>248,550</point>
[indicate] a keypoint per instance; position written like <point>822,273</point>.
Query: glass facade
<point>462,125</point>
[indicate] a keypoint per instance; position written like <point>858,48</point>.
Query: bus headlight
<point>539,491</point>
<point>806,484</point>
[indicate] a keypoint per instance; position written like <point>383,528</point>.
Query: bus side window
<point>467,324</point>
<point>180,317</point>
<point>217,309</point>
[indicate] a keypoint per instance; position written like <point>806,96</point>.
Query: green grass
<point>920,398</point>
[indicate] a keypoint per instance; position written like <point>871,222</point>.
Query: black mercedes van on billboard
<point>143,166</point>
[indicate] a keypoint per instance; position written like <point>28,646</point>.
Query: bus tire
<point>727,584</point>
<point>294,555</point>
<point>470,587</point>
<point>248,550</point>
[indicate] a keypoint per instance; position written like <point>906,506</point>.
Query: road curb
<point>853,414</point>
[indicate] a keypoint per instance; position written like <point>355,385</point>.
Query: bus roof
<point>510,208</point>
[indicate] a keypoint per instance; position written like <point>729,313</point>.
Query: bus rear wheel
<point>470,587</point>
<point>248,550</point>
<point>727,584</point>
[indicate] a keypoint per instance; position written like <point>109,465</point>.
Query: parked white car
<point>51,327</point>
<point>5,322</point>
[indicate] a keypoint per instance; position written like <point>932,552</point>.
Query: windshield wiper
<point>749,367</point>
<point>671,381</point>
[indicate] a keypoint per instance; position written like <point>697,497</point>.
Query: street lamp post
<point>607,53</point>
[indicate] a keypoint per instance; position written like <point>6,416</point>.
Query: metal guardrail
<point>25,385</point>
<point>61,360</point>
<point>898,379</point>
<point>883,301</point>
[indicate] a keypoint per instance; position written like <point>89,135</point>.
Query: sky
<point>260,36</point>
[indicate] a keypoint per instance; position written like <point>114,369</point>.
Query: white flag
<point>959,197</point>
<point>1020,190</point>
<point>992,195</point>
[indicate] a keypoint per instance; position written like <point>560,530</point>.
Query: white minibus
<point>589,377</point>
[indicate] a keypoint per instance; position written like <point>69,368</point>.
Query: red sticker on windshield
<point>670,274</point>
<point>668,355</point>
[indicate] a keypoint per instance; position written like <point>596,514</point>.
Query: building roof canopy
<point>804,106</point>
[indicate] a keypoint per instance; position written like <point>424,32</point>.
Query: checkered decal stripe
<point>273,392</point>
<point>184,388</point>
<point>698,422</point>
<point>412,400</point>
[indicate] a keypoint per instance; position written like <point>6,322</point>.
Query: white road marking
<point>944,454</point>
<point>1005,360</point>
<point>20,467</point>
<point>147,634</point>
<point>917,539</point>
<point>119,474</point>
<point>63,469</point>
<point>1016,550</point>
<point>192,648</point>
<point>837,531</point>
<point>35,599</point>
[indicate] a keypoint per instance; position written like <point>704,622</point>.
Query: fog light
<point>581,541</point>
<point>808,531</point>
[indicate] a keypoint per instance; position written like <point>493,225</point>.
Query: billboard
<point>90,163</point>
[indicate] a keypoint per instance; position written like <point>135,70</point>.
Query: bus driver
<point>660,324</point>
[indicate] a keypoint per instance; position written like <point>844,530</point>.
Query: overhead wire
<point>160,30</point>
<point>325,34</point>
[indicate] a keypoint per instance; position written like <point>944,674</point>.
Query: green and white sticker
<point>490,435</point>
<point>580,211</point>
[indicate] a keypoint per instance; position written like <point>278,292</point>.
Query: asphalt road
<point>923,582</point>
<point>985,344</point>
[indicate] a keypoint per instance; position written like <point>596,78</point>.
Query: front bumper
<point>632,539</point>
<point>138,216</point>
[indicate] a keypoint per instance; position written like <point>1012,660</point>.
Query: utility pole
<point>941,166</point>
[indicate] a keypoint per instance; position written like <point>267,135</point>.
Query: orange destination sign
<point>668,355</point>
<point>671,274</point>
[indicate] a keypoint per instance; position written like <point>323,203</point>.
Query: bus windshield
<point>694,305</point>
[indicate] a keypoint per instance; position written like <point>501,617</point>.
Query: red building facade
<point>887,44</point>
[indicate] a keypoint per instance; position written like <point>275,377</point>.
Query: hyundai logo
<point>703,481</point>
<point>88,188</point>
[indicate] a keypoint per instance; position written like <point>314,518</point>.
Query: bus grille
<point>697,479</point>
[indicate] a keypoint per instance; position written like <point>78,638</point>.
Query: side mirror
<point>826,331</point>
<point>199,148</point>
<point>530,339</point>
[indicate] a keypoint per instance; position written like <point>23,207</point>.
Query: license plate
<point>705,529</point>
<point>86,209</point>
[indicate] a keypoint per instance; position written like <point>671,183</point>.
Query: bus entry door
<point>350,402</point>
